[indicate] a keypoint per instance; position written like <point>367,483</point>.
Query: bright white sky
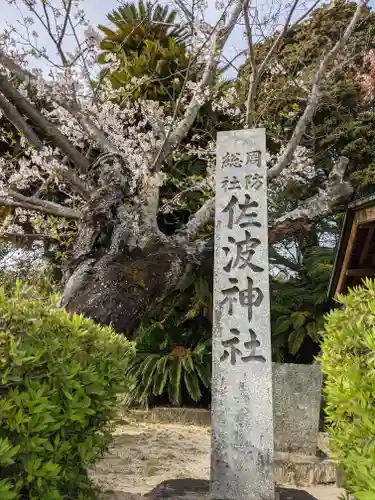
<point>96,11</point>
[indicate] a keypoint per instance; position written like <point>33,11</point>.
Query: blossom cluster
<point>366,76</point>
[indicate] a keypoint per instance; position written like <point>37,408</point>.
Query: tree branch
<point>149,204</point>
<point>279,260</point>
<point>336,190</point>
<point>47,26</point>
<point>250,100</point>
<point>20,239</point>
<point>219,39</point>
<point>17,200</point>
<point>306,14</point>
<point>65,24</point>
<point>257,73</point>
<point>72,107</point>
<point>196,222</point>
<point>26,107</point>
<point>12,114</point>
<point>315,95</point>
<point>319,205</point>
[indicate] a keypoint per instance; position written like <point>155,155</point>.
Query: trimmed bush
<point>348,362</point>
<point>60,377</point>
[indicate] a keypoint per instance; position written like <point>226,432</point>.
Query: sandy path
<point>143,455</point>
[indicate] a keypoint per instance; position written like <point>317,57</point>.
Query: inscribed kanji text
<point>232,183</point>
<point>250,297</point>
<point>253,158</point>
<point>247,217</point>
<point>244,252</point>
<point>230,345</point>
<point>231,160</point>
<point>254,181</point>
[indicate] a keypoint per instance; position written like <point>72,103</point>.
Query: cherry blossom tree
<point>366,76</point>
<point>85,165</point>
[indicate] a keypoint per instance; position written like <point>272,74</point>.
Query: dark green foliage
<point>344,122</point>
<point>173,360</point>
<point>167,371</point>
<point>60,377</point>
<point>175,338</point>
<point>298,305</point>
<point>348,363</point>
<point>146,40</point>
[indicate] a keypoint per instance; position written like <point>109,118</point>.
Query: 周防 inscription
<point>254,181</point>
<point>250,297</point>
<point>253,158</point>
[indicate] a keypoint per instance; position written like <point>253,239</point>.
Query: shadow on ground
<point>198,488</point>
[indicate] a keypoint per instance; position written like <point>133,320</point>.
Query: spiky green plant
<point>170,372</point>
<point>146,40</point>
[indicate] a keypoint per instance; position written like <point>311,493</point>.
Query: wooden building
<point>355,257</point>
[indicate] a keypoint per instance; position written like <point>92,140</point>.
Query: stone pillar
<point>242,423</point>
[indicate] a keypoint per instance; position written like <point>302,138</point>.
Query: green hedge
<point>60,379</point>
<point>348,362</point>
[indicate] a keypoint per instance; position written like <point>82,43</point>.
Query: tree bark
<point>118,289</point>
<point>117,271</point>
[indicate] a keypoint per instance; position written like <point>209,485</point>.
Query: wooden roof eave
<point>353,207</point>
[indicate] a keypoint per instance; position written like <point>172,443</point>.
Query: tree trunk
<point>116,270</point>
<point>118,289</point>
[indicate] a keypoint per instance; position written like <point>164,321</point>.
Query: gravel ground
<point>161,461</point>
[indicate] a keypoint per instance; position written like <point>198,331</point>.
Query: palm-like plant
<point>156,373</point>
<point>145,40</point>
<point>135,23</point>
<point>173,348</point>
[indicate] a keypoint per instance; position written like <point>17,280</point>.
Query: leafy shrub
<point>348,362</point>
<point>60,376</point>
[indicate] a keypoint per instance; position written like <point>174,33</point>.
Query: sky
<point>96,11</point>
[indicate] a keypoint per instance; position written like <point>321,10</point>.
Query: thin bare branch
<point>250,99</point>
<point>231,61</point>
<point>249,36</point>
<point>65,23</point>
<point>48,28</point>
<point>257,73</point>
<point>315,95</point>
<point>82,57</point>
<point>306,14</point>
